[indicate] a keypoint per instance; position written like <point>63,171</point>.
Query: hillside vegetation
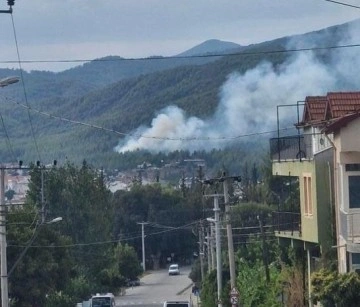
<point>114,96</point>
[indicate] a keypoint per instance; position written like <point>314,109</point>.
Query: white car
<point>174,269</point>
<point>100,300</point>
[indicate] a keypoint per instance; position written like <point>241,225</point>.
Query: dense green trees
<point>97,245</point>
<point>55,264</point>
<point>36,266</point>
<point>170,219</point>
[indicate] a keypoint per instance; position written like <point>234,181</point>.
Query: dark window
<point>355,258</point>
<point>354,191</point>
<point>101,302</point>
<point>352,167</point>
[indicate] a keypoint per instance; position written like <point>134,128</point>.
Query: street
<point>157,287</point>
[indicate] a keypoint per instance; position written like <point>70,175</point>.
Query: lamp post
<point>8,80</point>
<point>4,276</point>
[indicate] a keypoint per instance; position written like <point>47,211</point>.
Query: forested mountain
<point>82,113</point>
<point>211,46</point>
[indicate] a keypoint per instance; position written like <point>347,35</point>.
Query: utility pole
<point>4,277</point>
<point>143,244</point>
<point>218,248</point>
<point>225,179</point>
<point>201,249</point>
<point>212,246</point>
<point>264,250</point>
<point>3,257</point>
<point>42,198</point>
<point>229,235</point>
<point>216,221</point>
<point>208,247</point>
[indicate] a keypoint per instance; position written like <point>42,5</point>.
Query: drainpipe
<point>336,201</point>
<point>331,200</point>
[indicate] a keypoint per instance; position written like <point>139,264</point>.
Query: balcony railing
<point>350,226</point>
<point>289,222</point>
<point>295,147</point>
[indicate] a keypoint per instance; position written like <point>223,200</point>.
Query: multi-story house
<point>324,158</point>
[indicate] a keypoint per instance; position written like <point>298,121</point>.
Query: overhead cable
<point>344,4</point>
<point>24,88</point>
<point>211,55</point>
<point>225,138</point>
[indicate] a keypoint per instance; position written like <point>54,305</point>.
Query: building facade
<point>324,159</point>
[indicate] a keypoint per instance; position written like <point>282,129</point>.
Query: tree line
<point>97,245</point>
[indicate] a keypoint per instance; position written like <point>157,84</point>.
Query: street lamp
<point>8,80</point>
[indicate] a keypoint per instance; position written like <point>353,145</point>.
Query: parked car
<point>102,300</point>
<point>177,304</point>
<point>174,269</point>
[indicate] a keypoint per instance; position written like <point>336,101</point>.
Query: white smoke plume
<point>248,102</point>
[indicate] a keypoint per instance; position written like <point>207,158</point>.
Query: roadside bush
<point>333,289</point>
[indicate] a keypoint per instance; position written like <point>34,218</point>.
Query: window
<point>355,167</point>
<point>354,191</point>
<point>307,195</point>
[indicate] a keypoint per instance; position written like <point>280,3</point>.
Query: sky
<point>72,30</point>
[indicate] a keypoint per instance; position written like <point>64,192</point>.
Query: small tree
<point>333,289</point>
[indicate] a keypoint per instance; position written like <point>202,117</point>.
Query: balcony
<point>350,226</point>
<point>291,148</point>
<point>287,224</point>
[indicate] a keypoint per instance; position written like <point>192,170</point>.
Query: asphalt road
<point>157,287</point>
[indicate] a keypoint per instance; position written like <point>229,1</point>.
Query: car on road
<point>177,304</point>
<point>102,300</point>
<point>174,269</point>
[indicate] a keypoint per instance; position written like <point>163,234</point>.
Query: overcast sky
<point>87,29</point>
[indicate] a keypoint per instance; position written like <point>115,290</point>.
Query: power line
<point>241,53</point>
<point>138,236</point>
<point>344,4</point>
<point>23,86</point>
<point>186,226</point>
<point>225,138</point>
<point>7,138</point>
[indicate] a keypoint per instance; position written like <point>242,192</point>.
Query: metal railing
<point>287,222</point>
<point>295,147</point>
<point>350,226</point>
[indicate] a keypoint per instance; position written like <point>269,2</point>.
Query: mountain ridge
<point>91,110</point>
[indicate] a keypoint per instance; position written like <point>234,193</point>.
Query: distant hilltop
<point>211,46</point>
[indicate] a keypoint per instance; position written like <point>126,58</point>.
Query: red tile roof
<point>325,109</point>
<point>315,107</point>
